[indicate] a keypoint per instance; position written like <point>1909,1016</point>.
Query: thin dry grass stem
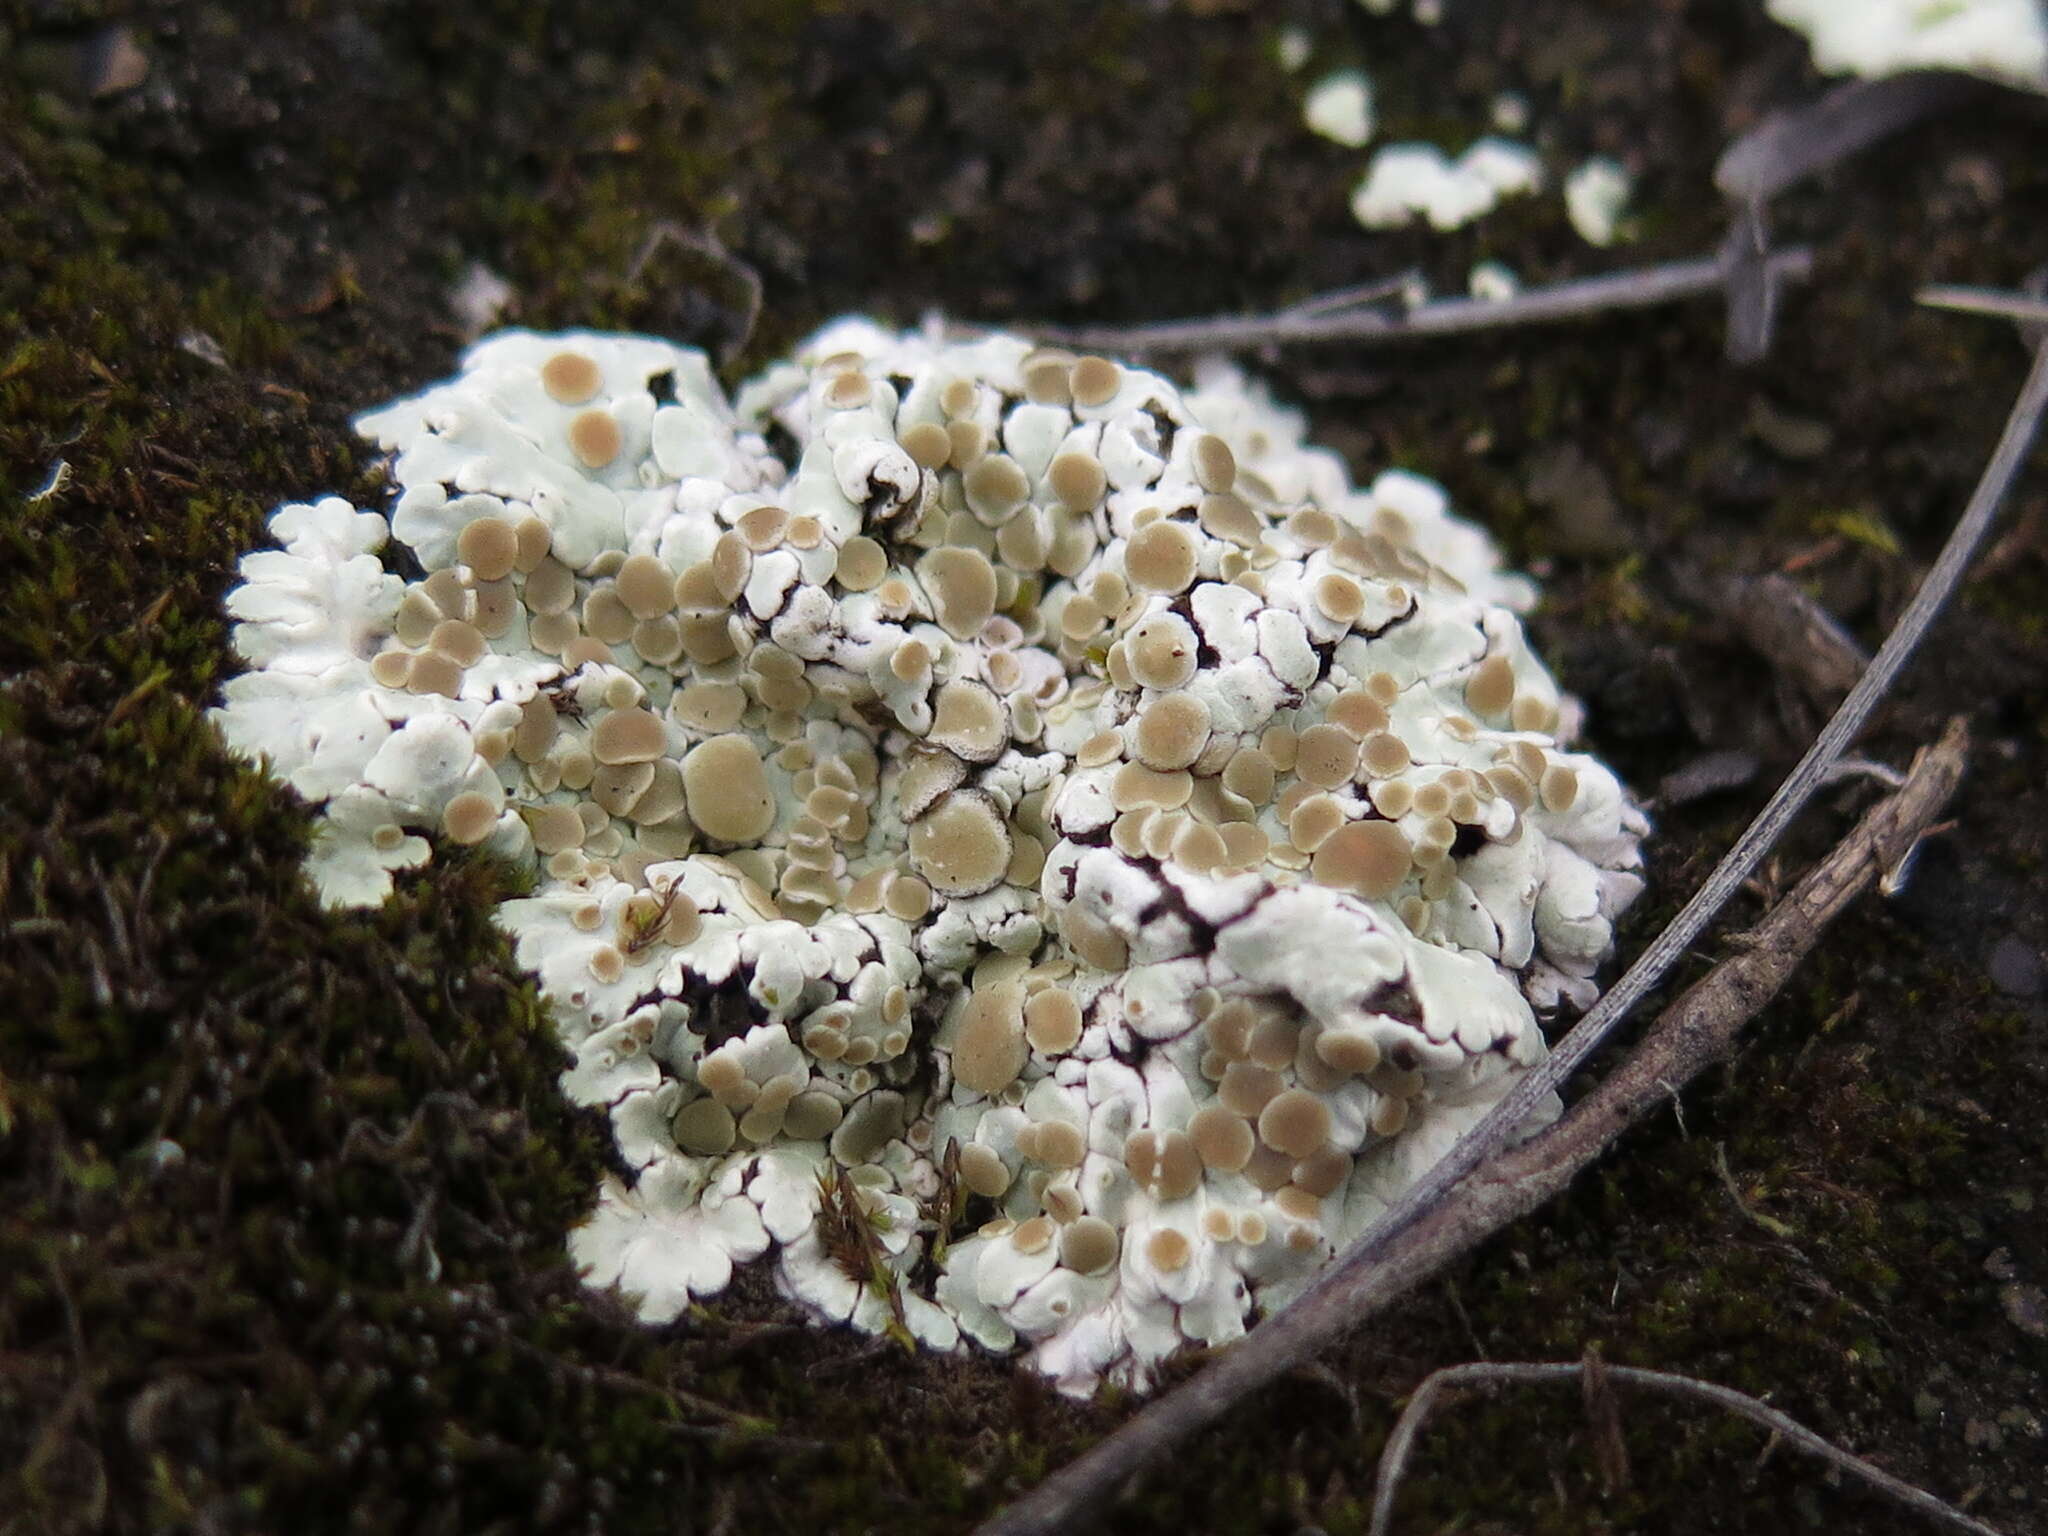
<point>1401,1443</point>
<point>1787,147</point>
<point>1983,301</point>
<point>670,1393</point>
<point>1343,317</point>
<point>705,244</point>
<point>1377,292</point>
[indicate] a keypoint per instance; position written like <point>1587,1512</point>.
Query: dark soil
<point>283,1193</point>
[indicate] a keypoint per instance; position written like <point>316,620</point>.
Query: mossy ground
<point>283,1193</point>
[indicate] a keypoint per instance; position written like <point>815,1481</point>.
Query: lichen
<point>2004,40</point>
<point>1047,829</point>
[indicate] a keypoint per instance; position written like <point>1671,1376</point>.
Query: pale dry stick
<point>1693,1032</point>
<point>1787,627</point>
<point>1377,292</point>
<point>712,249</point>
<point>1787,147</point>
<point>1401,1443</point>
<point>1983,301</point>
<point>1579,299</point>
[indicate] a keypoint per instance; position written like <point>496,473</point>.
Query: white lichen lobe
<point>1339,107</point>
<point>1035,855</point>
<point>1595,195</point>
<point>2003,40</point>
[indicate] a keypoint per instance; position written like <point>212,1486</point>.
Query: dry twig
<point>1749,274</point>
<point>1787,147</point>
<point>1320,321</point>
<point>2027,309</point>
<point>1983,301</point>
<point>1786,627</point>
<point>707,246</point>
<point>1401,1443</point>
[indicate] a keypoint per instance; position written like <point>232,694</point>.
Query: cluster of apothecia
<point>1026,849</point>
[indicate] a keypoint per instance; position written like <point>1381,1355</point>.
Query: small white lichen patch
<point>1595,193</point>
<point>1428,12</point>
<point>1339,107</point>
<point>1405,180</point>
<point>2005,40</point>
<point>1493,281</point>
<point>1035,855</point>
